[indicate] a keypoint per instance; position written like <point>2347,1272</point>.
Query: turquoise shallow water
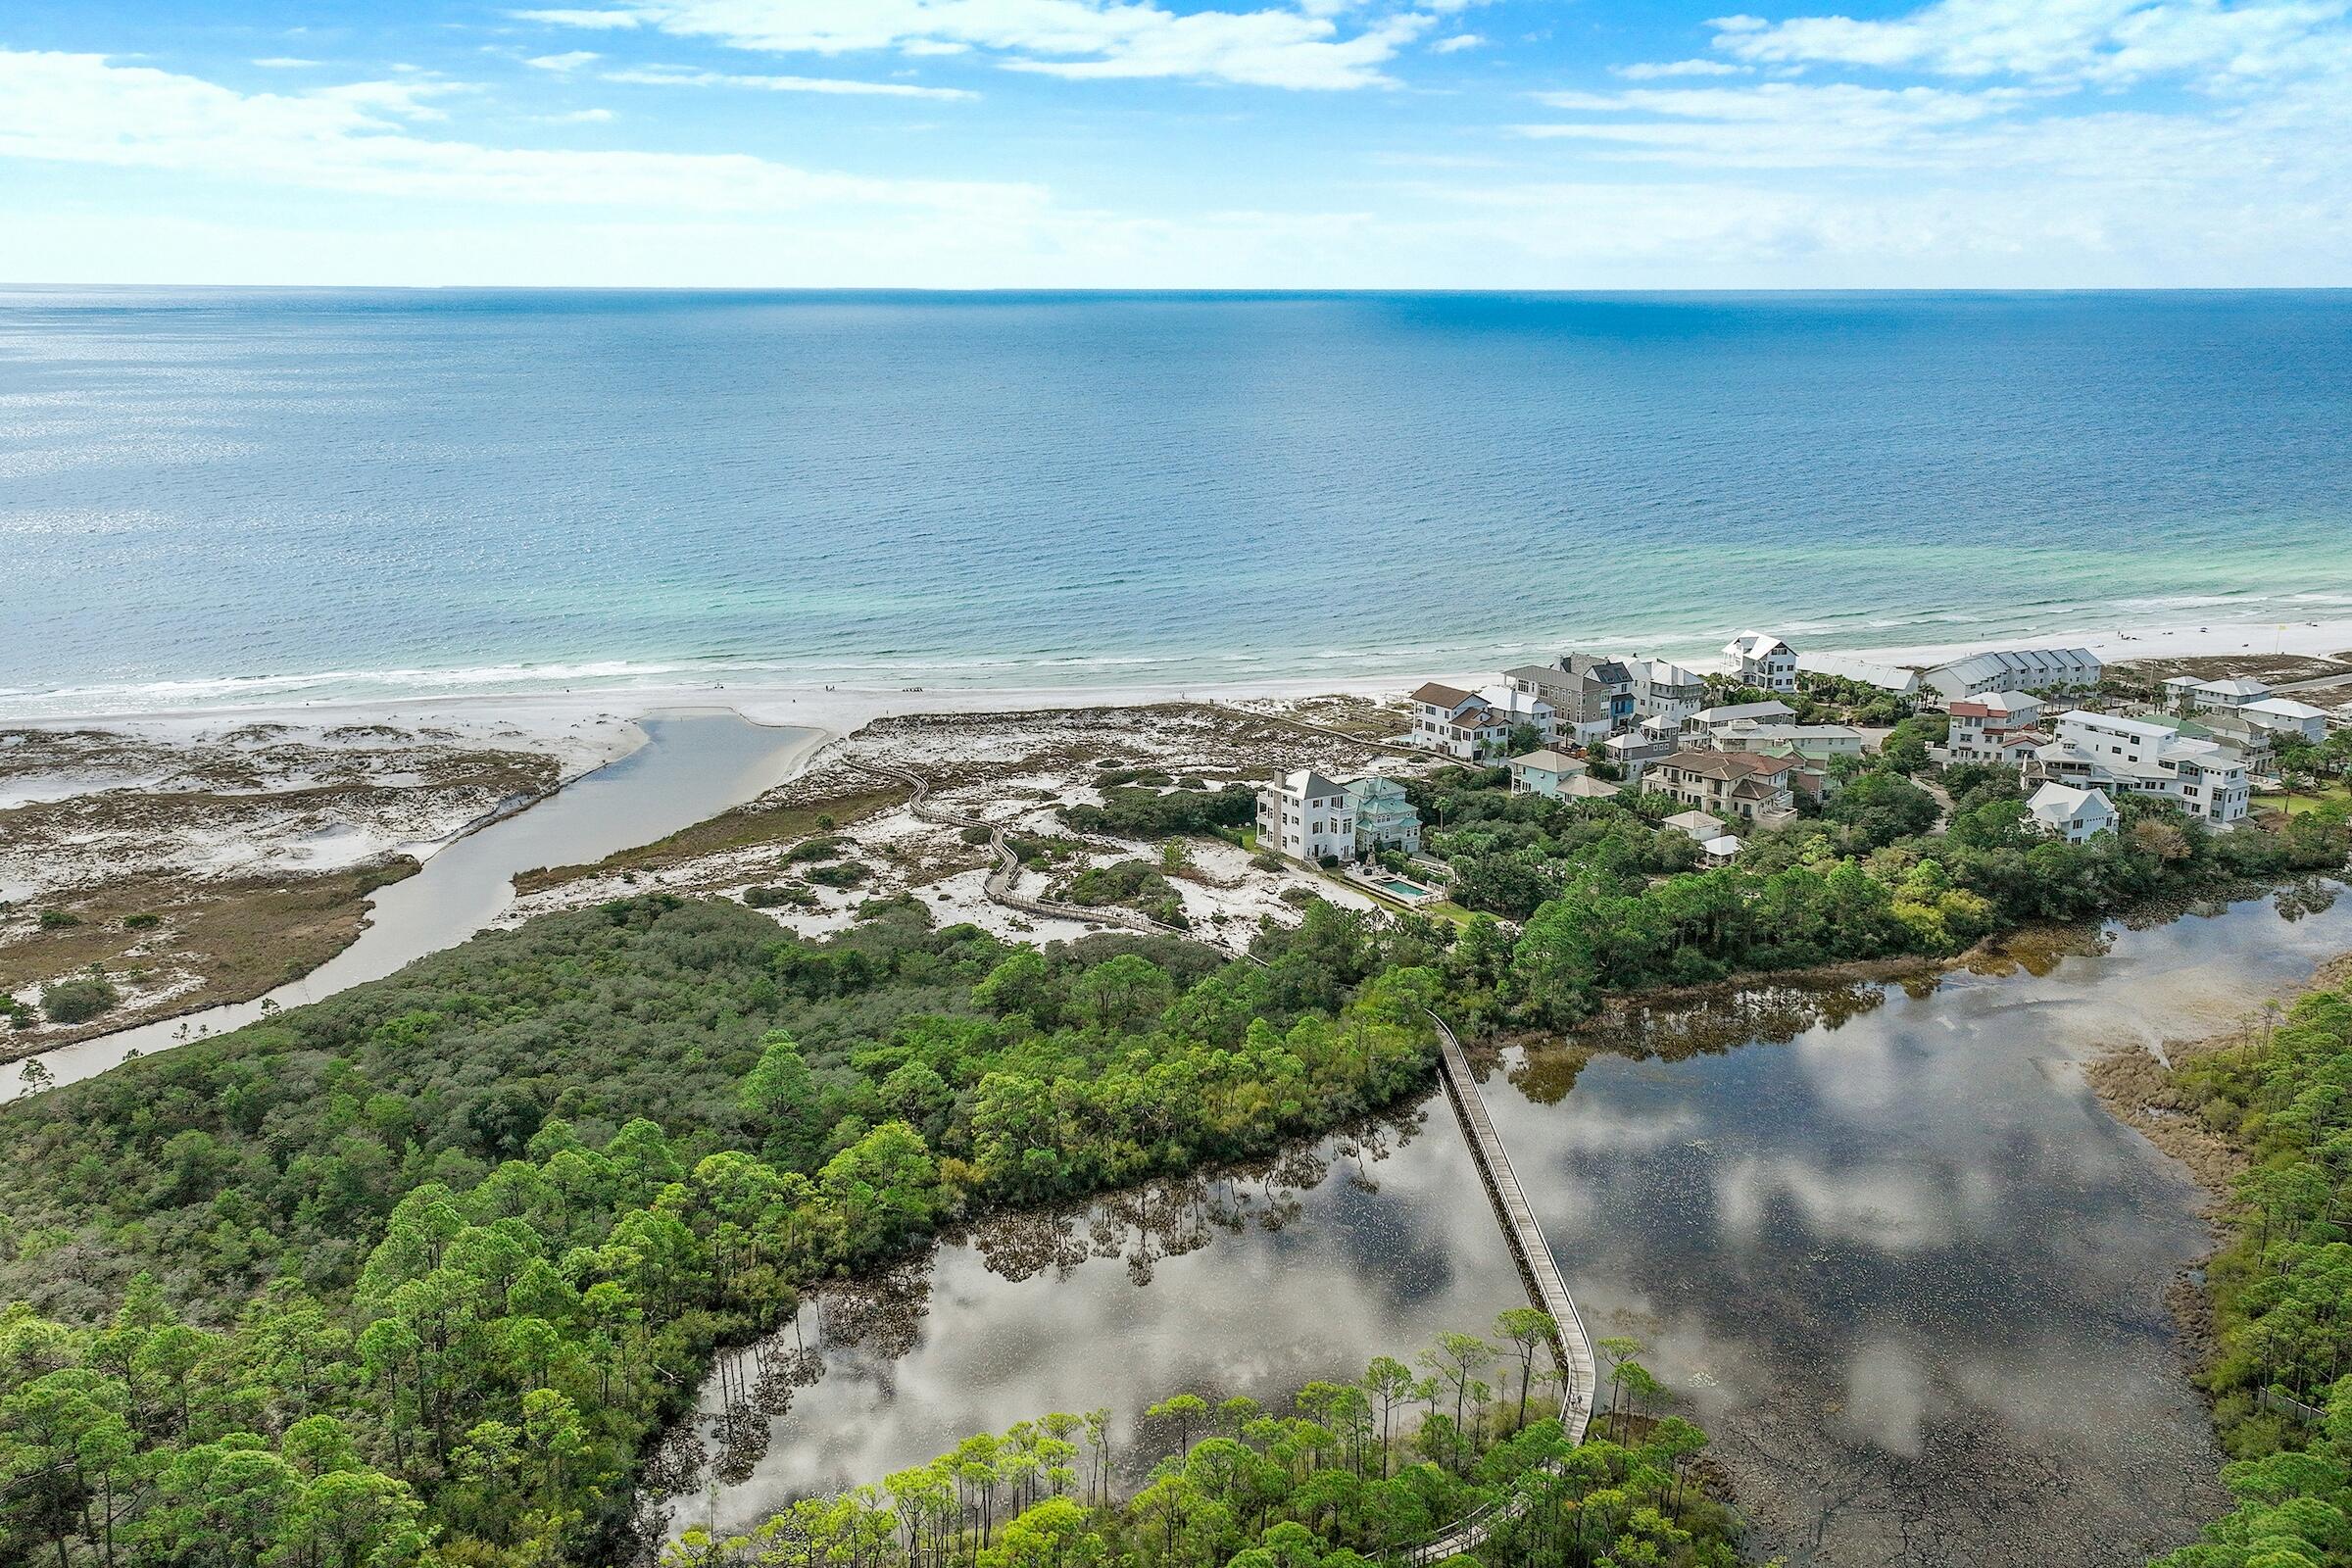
<point>208,497</point>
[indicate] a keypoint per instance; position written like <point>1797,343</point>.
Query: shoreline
<point>844,708</point>
<point>2133,1084</point>
<point>795,758</point>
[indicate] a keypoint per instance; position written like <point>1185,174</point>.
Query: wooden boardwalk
<point>1571,1346</point>
<point>1539,1271</point>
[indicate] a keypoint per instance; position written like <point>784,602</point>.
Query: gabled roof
<point>1732,712</point>
<point>2282,708</point>
<point>1755,645</point>
<point>1438,695</point>
<point>1698,824</point>
<point>1548,761</point>
<point>2001,703</point>
<point>2023,664</point>
<point>2235,686</point>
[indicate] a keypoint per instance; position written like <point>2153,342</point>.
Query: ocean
<point>210,497</point>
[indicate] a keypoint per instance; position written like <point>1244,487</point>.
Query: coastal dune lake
<point>1881,1239</point>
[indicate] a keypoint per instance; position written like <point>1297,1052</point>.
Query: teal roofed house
<point>1384,819</point>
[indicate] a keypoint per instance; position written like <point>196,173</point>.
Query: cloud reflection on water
<point>1909,1275</point>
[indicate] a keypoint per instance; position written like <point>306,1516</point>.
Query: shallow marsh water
<point>1881,1240</point>
<point>694,765</point>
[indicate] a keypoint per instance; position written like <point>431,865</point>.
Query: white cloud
<point>284,62</point>
<point>1435,161</point>
<point>662,77</point>
<point>1737,172</point>
<point>1457,44</point>
<point>577,19</point>
<point>2107,41</point>
<point>1655,70</point>
<point>357,137</point>
<point>1298,46</point>
<point>571,61</point>
<point>2041,123</point>
<point>1780,124</point>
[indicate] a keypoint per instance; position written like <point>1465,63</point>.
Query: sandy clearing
<point>1016,769</point>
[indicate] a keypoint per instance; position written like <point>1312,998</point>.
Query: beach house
<point>2075,814</point>
<point>2186,693</point>
<point>1811,742</point>
<point>1308,817</point>
<point>1385,819</point>
<point>1772,711</point>
<point>2229,728</point>
<point>1699,826</point>
<point>1591,695</point>
<point>1542,773</point>
<point>2285,718</point>
<point>1760,659</point>
<point>1476,725</point>
<point>2116,753</point>
<point>1635,750</point>
<point>2013,670</point>
<point>1666,692</point>
<point>1981,726</point>
<point>1742,784</point>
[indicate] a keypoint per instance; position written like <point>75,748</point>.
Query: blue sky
<point>1167,143</point>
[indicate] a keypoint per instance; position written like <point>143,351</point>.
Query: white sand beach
<point>589,723</point>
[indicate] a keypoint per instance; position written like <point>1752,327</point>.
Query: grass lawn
<point>2300,802</point>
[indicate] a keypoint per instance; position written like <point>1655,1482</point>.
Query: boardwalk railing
<point>2310,1415</point>
<point>1571,1346</point>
